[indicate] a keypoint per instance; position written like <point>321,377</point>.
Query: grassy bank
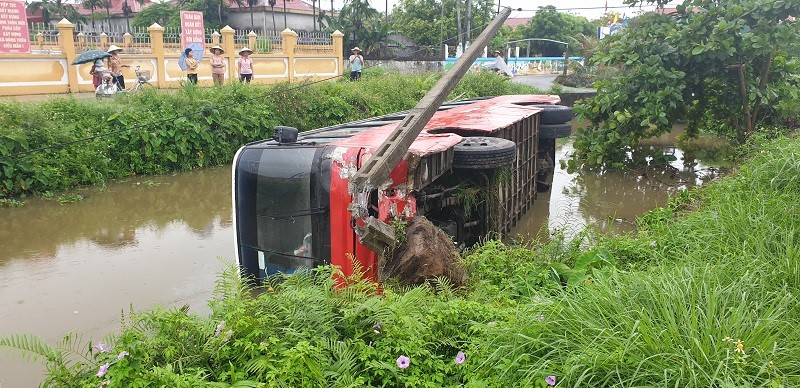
<point>703,295</point>
<point>65,142</point>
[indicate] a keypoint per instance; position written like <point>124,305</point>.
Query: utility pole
<point>469,19</point>
<point>285,25</point>
<point>458,25</point>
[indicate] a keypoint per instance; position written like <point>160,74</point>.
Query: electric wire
<point>206,110</point>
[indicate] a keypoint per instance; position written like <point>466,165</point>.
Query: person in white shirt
<point>499,65</point>
<point>356,64</point>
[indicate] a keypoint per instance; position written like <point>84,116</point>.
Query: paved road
<point>545,82</point>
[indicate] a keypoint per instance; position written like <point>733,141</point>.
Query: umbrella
<point>90,56</point>
<point>198,51</point>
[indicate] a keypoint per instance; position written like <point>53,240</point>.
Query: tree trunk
<point>762,86</point>
<point>748,122</point>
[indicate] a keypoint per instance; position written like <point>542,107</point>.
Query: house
<point>298,15</point>
<point>118,21</point>
<point>516,22</point>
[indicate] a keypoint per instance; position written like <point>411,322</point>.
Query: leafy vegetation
<point>703,295</point>
<point>64,142</point>
<point>724,67</point>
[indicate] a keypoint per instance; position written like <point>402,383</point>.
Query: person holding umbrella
<point>356,64</point>
<point>218,65</point>
<point>191,65</point>
<point>115,66</point>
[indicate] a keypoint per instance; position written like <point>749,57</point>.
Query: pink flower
<point>220,326</point>
<point>460,358</point>
<point>403,362</point>
<point>550,380</point>
<point>101,347</point>
<point>103,370</point>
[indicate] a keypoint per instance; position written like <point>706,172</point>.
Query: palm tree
<point>45,6</point>
<point>91,5</point>
<point>250,4</point>
<point>314,12</point>
<point>272,6</point>
<point>106,4</point>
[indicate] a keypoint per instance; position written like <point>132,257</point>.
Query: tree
<point>55,8</point>
<point>548,23</point>
<point>165,14</point>
<point>712,64</point>
<point>433,22</point>
<point>361,25</point>
<point>91,5</point>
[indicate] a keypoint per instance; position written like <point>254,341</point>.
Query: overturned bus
<point>474,169</point>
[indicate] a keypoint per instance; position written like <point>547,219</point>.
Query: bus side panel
<point>343,164</point>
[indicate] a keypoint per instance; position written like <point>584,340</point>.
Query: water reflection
<point>610,201</point>
<point>140,242</point>
<point>110,217</point>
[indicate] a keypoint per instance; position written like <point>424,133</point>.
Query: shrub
<point>64,142</point>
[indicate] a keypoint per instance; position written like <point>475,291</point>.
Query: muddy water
<point>611,201</point>
<point>145,242</point>
<point>157,241</point>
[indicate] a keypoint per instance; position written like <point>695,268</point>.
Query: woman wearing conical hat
<point>115,66</point>
<point>356,64</point>
<point>218,65</point>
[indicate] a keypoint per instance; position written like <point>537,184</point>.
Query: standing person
<point>244,65</point>
<point>356,64</point>
<point>191,65</point>
<point>218,65</point>
<point>115,66</point>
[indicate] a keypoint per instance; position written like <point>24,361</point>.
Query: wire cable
<point>206,110</point>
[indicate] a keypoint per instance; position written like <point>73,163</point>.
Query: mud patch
<point>427,253</point>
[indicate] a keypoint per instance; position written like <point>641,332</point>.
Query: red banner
<point>14,36</point>
<point>192,29</point>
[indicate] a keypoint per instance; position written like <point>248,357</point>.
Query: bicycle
<point>142,79</point>
<point>108,88</point>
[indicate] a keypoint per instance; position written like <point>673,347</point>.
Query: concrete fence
<point>48,68</point>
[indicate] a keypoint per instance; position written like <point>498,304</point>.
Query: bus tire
<point>478,153</point>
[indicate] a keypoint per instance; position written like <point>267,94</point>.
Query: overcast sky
<point>531,5</point>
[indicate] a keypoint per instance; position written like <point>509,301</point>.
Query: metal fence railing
<point>138,40</point>
<point>44,38</point>
<point>313,42</point>
<point>172,40</point>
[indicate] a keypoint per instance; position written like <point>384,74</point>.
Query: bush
<point>64,142</point>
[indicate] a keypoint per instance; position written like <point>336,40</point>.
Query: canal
<point>151,241</point>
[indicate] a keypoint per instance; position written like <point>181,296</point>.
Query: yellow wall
<point>52,73</point>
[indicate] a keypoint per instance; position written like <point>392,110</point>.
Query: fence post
<point>215,38</point>
<point>289,42</point>
<point>103,41</point>
<point>157,42</point>
<point>230,49</point>
<point>127,40</point>
<point>81,40</point>
<point>338,50</point>
<point>40,40</point>
<point>67,44</point>
<point>251,40</point>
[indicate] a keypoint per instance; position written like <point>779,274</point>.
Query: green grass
<point>704,295</point>
<point>64,142</point>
